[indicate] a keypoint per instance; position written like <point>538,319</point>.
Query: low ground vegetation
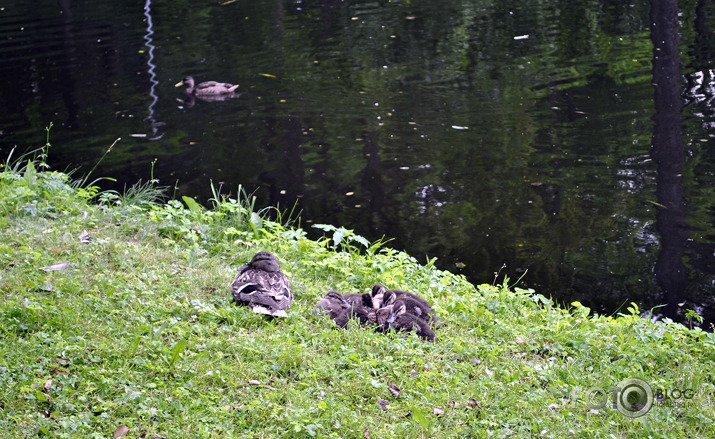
<point>116,320</point>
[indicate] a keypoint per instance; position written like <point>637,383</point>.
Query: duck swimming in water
<point>261,285</point>
<point>208,88</point>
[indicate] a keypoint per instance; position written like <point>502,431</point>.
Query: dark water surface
<point>568,140</point>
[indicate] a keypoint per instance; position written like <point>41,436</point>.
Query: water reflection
<point>669,154</point>
<point>441,125</point>
<point>69,50</point>
<point>154,125</point>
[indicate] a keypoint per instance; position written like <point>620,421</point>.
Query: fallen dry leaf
<point>438,411</point>
<point>394,389</point>
<point>121,431</point>
<point>471,402</point>
<point>84,237</point>
<point>366,433</point>
<point>48,385</point>
<point>58,266</point>
<point>382,403</point>
<point>254,382</point>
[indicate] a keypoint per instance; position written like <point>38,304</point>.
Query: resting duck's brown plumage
<point>262,286</point>
<point>208,88</point>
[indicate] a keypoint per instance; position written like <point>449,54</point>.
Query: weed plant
<point>116,320</point>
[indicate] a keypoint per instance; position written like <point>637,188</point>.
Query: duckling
<point>382,316</point>
<point>373,299</point>
<point>207,88</point>
<point>337,307</point>
<point>261,285</point>
<point>332,300</point>
<point>414,304</point>
<point>361,307</point>
<point>365,315</point>
<point>361,299</point>
<point>401,320</point>
<point>390,296</point>
<point>377,296</point>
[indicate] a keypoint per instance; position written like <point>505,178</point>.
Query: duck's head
<point>377,293</point>
<point>187,81</point>
<point>383,315</point>
<point>265,261</point>
<point>398,308</point>
<point>337,298</point>
<point>389,298</point>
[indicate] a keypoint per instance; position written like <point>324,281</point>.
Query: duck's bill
<point>179,84</point>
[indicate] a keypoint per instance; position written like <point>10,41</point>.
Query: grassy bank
<point>136,336</point>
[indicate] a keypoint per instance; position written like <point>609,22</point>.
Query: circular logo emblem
<point>635,398</point>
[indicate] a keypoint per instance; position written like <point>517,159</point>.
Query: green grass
<point>138,330</point>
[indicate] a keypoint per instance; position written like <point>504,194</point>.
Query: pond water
<point>564,144</point>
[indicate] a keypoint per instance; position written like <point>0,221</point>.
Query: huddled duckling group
<point>262,286</point>
<point>383,309</point>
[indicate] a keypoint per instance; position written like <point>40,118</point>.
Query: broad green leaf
<point>192,204</point>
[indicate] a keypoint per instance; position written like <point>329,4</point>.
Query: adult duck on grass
<point>261,285</point>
